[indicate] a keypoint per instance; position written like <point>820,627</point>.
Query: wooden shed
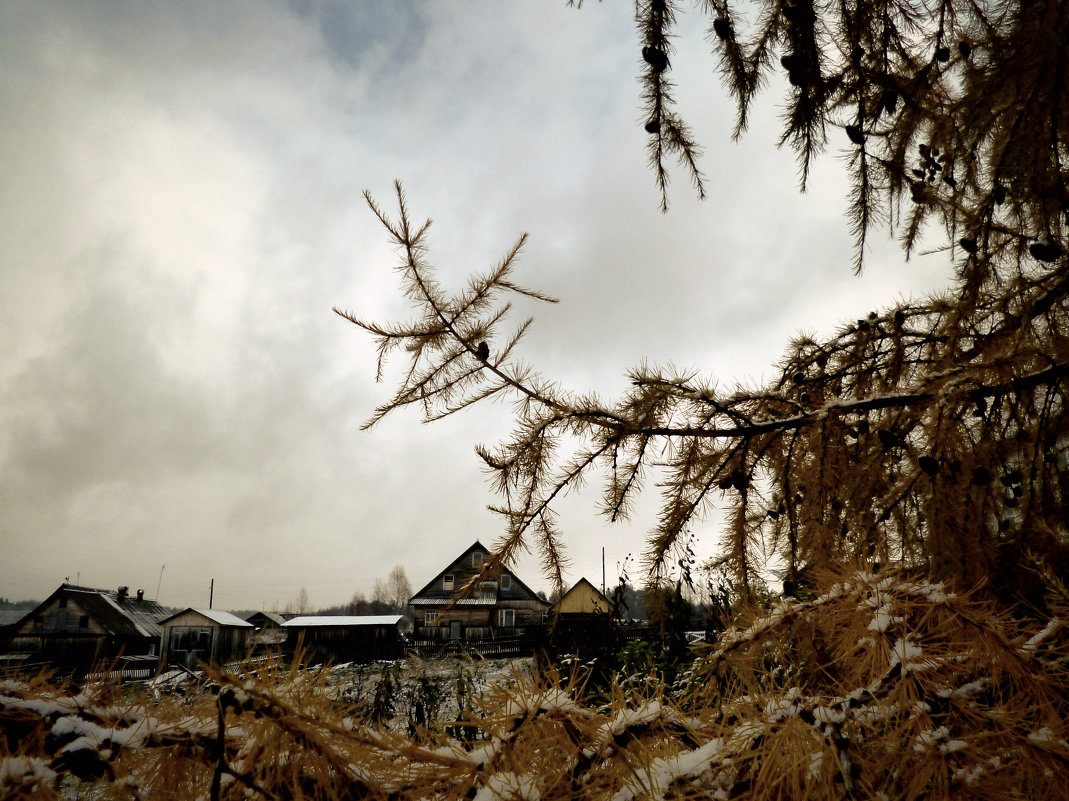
<point>581,622</point>
<point>204,635</point>
<point>268,634</point>
<point>342,638</point>
<point>582,599</point>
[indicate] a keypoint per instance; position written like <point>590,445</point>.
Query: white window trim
<point>477,558</point>
<point>503,617</point>
<point>448,581</point>
<point>430,618</point>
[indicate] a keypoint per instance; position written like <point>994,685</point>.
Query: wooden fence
<point>497,648</point>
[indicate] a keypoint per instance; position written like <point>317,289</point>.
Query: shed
<point>581,622</point>
<point>582,599</point>
<point>204,635</point>
<point>345,638</point>
<point>268,633</point>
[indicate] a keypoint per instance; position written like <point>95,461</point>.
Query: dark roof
<point>128,617</point>
<point>429,596</point>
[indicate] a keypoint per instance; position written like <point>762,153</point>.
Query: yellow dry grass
<point>881,687</point>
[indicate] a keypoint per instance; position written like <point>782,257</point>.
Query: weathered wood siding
<point>190,638</point>
<point>336,644</point>
<point>479,616</point>
<point>64,633</point>
<point>583,599</point>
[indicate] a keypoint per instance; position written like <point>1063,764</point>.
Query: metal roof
<point>342,620</point>
<point>274,617</point>
<point>216,616</point>
<point>458,602</point>
<point>129,617</point>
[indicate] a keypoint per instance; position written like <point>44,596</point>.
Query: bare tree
<point>300,605</point>
<point>400,590</point>
<point>381,592</point>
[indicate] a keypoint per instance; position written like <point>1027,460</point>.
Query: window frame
<point>506,618</point>
<point>505,581</point>
<point>448,581</point>
<point>477,558</point>
<point>430,617</point>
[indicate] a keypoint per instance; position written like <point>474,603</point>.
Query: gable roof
<point>126,617</point>
<point>272,617</point>
<point>428,596</point>
<point>583,585</point>
<point>215,616</point>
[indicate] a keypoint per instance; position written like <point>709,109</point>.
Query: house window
<point>506,582</point>
<point>83,622</point>
<point>430,618</point>
<point>477,558</point>
<point>506,617</point>
<point>447,581</point>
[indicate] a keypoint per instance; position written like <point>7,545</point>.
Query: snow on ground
<point>444,687</point>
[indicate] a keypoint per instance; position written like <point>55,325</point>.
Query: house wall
<point>64,633</point>
<point>478,622</point>
<point>54,618</point>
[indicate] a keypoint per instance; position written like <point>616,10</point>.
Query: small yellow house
<point>582,599</point>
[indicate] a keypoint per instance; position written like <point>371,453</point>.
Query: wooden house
<point>344,638</point>
<point>582,599</point>
<point>204,635</point>
<point>500,607</point>
<point>79,627</point>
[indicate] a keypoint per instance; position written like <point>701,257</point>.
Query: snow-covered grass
<point>807,700</point>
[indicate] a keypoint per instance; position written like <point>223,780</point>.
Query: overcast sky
<point>180,208</point>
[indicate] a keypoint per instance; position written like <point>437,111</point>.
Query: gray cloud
<point>182,207</point>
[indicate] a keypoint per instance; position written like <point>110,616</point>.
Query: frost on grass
<point>946,698</point>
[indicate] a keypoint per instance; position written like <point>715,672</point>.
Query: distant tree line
<point>389,597</point>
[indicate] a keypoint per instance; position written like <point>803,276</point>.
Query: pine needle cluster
<point>954,111</point>
<point>927,435</point>
<point>930,434</point>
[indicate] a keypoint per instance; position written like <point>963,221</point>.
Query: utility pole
<point>602,569</point>
<point>158,583</point>
<point>211,594</point>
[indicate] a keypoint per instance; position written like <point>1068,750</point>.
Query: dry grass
<point>881,687</point>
